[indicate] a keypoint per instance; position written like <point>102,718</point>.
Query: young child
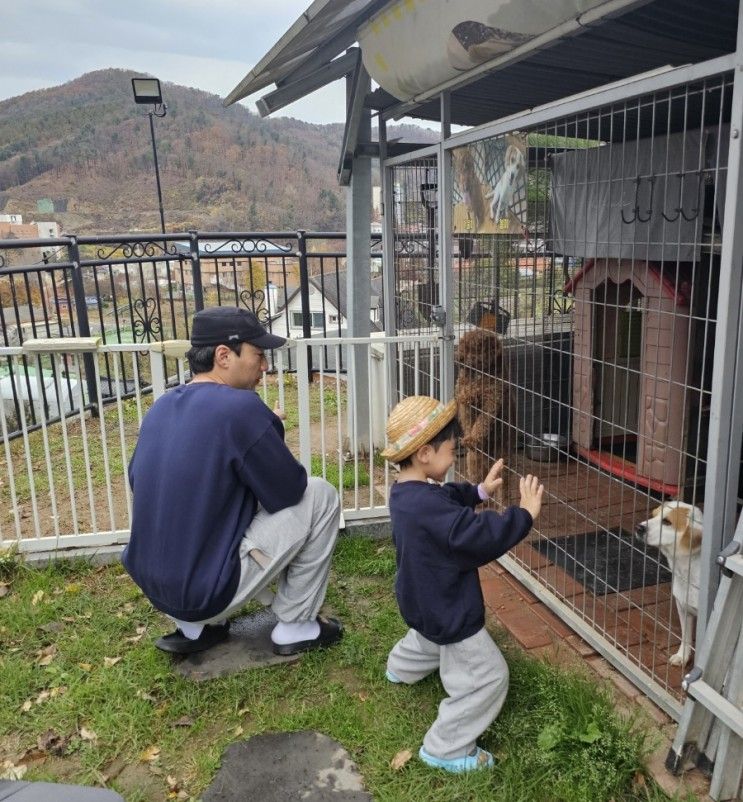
<point>440,544</point>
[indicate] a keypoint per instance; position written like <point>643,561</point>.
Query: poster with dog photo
<point>489,194</point>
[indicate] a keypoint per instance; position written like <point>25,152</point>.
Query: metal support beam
<point>358,284</point>
<point>359,87</point>
<point>726,408</point>
<point>446,278</point>
<point>299,88</point>
<point>387,175</point>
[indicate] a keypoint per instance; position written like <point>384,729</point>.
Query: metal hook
<point>695,211</point>
<point>650,210</point>
<point>636,210</point>
<point>678,207</point>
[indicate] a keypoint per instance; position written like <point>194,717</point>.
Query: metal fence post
<point>83,323</point>
<point>198,289</point>
<point>304,294</point>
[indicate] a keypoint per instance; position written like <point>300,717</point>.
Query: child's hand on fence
<point>493,480</point>
<point>279,412</point>
<point>531,494</point>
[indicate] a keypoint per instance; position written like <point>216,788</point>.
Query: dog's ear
<point>691,538</point>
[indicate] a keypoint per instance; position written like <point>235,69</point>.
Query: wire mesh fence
<point>585,259</point>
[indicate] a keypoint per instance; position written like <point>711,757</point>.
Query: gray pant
<point>475,677</point>
<point>296,546</point>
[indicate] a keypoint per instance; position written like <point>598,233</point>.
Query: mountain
<point>86,146</point>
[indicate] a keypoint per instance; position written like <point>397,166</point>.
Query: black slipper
<point>177,643</point>
<point>331,631</point>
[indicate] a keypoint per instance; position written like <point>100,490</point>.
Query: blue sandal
<point>482,759</point>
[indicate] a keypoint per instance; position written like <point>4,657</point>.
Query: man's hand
<point>279,412</point>
<point>531,495</point>
<point>493,480</point>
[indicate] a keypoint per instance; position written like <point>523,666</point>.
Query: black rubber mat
<point>606,561</point>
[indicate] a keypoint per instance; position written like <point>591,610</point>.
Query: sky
<point>205,44</point>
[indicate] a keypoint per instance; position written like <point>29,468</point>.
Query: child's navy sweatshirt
<point>440,543</point>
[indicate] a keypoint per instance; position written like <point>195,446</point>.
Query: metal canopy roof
<point>325,30</point>
<point>664,32</point>
<point>655,34</point>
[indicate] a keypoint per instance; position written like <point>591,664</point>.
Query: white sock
<point>290,632</point>
<point>190,630</point>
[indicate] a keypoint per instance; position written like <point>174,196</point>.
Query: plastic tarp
<point>639,199</point>
<point>414,45</point>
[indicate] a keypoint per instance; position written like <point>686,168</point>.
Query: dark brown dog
<point>483,402</point>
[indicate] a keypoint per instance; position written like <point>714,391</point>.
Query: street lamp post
<point>147,90</point>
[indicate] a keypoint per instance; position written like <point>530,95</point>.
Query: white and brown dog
<point>675,528</point>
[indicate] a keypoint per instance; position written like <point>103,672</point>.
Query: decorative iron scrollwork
<point>138,250</point>
<point>146,324</point>
<point>245,247</point>
<point>256,302</point>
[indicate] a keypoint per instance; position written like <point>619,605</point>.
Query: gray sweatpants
<point>298,545</point>
<point>475,677</point>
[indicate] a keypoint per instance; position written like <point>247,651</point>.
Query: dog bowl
<point>549,448</point>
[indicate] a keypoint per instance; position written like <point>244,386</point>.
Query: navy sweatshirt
<point>440,543</point>
<point>206,454</point>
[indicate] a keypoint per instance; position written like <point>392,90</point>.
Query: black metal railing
<point>145,287</point>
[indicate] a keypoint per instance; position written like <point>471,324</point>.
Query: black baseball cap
<point>222,325</point>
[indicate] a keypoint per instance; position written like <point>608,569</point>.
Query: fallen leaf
<point>88,735</point>
<point>46,655</point>
<point>73,587</point>
<point>238,731</point>
<point>9,771</point>
<point>183,721</point>
<point>37,597</point>
<point>4,589</point>
<point>133,639</point>
<point>172,782</point>
<point>141,630</point>
<point>150,754</point>
<point>400,759</point>
<point>42,697</point>
<point>144,695</point>
<point>363,696</point>
<point>128,607</point>
<point>243,710</point>
<point>26,706</point>
<point>110,661</point>
<point>85,666</point>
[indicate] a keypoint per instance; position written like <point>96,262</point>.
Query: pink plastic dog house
<point>631,339</point>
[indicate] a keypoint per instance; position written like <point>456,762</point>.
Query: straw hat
<point>413,422</point>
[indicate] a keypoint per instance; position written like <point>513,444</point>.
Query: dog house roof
<point>673,285</point>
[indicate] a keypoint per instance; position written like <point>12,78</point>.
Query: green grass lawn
<point>88,699</point>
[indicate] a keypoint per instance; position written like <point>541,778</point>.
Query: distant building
<point>327,307</point>
<point>16,219</point>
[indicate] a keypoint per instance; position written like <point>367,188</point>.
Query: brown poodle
<point>484,405</point>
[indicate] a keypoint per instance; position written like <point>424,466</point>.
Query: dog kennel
<point>609,335</point>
